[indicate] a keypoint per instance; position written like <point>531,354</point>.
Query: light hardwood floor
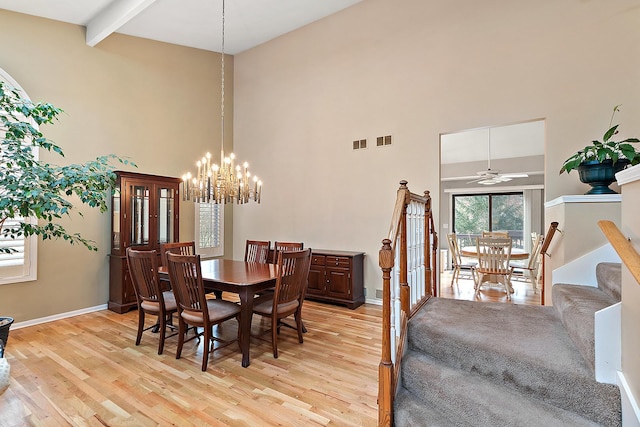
<point>463,290</point>
<point>87,371</point>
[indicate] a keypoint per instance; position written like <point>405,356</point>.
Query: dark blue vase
<point>600,175</point>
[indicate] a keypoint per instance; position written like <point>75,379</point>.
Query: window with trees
<point>475,213</point>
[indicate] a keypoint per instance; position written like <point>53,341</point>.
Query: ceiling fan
<point>491,176</point>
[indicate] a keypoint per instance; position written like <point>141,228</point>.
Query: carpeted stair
<point>492,364</point>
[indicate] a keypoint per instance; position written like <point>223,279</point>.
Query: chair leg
<point>163,331</point>
<point>274,335</point>
<point>298,316</point>
<point>453,274</point>
<point>208,333</point>
<point>140,325</point>
<point>181,333</point>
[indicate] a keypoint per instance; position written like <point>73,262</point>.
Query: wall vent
<point>359,144</point>
<point>379,293</point>
<point>383,140</point>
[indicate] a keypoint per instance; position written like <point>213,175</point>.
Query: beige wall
<point>416,69</point>
<point>156,103</point>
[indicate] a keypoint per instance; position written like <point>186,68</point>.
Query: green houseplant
<point>598,163</point>
<point>33,188</point>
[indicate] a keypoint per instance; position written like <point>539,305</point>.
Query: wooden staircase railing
<point>623,247</point>
<point>553,227</point>
<point>409,278</point>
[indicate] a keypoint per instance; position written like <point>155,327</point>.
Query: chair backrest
<point>534,259</point>
<point>285,246</point>
<point>143,268</point>
<point>494,254</point>
<point>454,248</point>
<point>502,234</point>
<point>293,270</point>
<point>257,251</point>
<point>180,248</point>
<point>186,280</point>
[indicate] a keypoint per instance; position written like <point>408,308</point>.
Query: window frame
<point>209,251</point>
<point>28,271</point>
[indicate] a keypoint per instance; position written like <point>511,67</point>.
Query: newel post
<point>385,370</point>
<point>405,291</point>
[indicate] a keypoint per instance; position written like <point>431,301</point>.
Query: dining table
<point>242,278</point>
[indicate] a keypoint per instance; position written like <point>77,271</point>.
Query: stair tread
<point>470,399</point>
<point>525,348</point>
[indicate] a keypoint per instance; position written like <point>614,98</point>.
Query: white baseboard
<point>374,301</point>
<point>58,316</point>
<point>630,409</point>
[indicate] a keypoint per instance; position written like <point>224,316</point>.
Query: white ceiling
<point>193,23</point>
<point>502,142</point>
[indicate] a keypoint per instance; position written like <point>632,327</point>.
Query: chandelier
<point>225,183</point>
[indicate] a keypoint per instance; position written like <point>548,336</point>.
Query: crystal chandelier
<point>225,183</point>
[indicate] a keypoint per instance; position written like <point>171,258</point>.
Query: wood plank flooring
<point>87,371</point>
<point>463,290</point>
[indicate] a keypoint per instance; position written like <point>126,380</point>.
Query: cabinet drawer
<point>317,259</point>
<point>338,261</point>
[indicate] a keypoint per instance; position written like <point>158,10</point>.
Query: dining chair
<point>456,259</point>
<point>502,234</point>
<point>143,268</point>
<point>494,254</point>
<point>531,269</point>
<point>181,248</point>
<point>257,251</point>
<point>194,308</point>
<point>290,246</point>
<point>293,270</point>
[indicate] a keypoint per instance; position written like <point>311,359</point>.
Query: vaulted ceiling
<point>193,23</point>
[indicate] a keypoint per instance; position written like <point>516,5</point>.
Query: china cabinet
<point>145,211</point>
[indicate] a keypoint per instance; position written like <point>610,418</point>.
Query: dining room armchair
<point>286,300</point>
<point>494,255</point>
<point>532,267</point>
<point>501,234</point>
<point>181,248</point>
<point>257,251</point>
<point>456,259</point>
<point>143,268</point>
<point>194,308</point>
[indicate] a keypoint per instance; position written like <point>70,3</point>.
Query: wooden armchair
<point>494,254</point>
<point>143,268</point>
<point>293,270</point>
<point>194,308</point>
<point>456,259</point>
<point>257,251</point>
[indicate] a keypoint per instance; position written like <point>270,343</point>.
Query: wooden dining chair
<point>194,308</point>
<point>293,270</point>
<point>181,248</point>
<point>502,234</point>
<point>456,259</point>
<point>531,269</point>
<point>257,251</point>
<point>285,246</point>
<point>494,254</point>
<point>143,268</point>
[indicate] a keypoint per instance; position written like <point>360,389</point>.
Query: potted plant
<point>597,164</point>
<point>30,188</point>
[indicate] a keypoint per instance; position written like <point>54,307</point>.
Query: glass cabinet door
<point>165,200</point>
<point>115,220</point>
<point>139,214</point>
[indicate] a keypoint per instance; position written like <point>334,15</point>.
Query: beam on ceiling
<point>114,16</point>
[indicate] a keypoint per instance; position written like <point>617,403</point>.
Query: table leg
<point>246,313</point>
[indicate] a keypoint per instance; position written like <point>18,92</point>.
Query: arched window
<point>20,265</point>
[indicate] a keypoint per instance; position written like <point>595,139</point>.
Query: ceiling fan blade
<point>516,175</point>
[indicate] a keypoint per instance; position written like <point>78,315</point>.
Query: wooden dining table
<point>242,278</point>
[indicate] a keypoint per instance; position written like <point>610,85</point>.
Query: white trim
<point>628,175</point>
<point>630,409</point>
<point>492,189</point>
<point>608,343</point>
<point>59,316</point>
<point>585,198</point>
<point>581,271</point>
<point>374,301</point>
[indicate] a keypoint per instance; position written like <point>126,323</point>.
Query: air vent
<point>359,144</point>
<point>383,140</point>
